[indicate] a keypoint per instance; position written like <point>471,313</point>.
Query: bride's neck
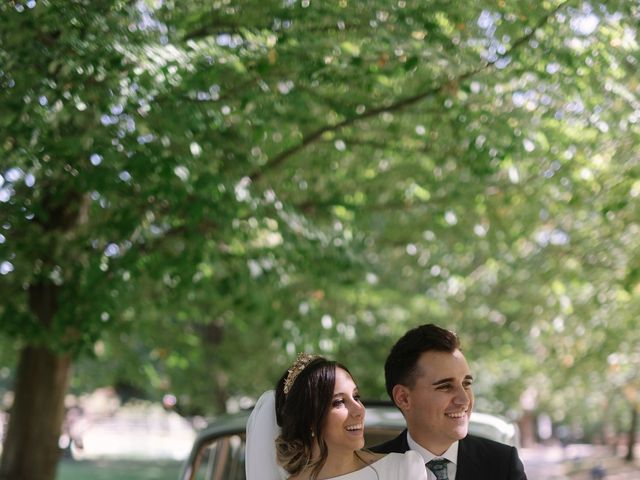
<point>340,463</point>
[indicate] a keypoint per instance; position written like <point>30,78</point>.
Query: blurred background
<point>193,192</point>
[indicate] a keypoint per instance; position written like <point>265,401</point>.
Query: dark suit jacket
<point>478,458</point>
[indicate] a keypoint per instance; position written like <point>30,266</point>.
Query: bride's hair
<point>301,412</point>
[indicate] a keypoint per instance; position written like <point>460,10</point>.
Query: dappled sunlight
<point>193,192</point>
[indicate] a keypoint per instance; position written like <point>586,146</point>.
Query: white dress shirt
<point>451,454</point>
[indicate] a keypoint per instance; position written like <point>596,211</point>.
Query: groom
<point>428,379</point>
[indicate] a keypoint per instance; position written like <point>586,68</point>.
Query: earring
<point>313,434</point>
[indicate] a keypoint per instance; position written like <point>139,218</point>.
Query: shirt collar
<point>451,454</point>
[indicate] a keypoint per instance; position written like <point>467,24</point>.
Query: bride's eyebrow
<point>356,391</point>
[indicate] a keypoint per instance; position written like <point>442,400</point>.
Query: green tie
<point>439,467</point>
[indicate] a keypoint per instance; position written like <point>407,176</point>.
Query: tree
<point>178,176</point>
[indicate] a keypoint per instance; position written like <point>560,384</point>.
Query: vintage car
<point>218,451</point>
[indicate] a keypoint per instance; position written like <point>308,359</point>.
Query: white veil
<point>262,431</point>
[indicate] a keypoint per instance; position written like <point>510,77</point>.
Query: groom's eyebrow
<point>444,380</point>
<point>450,379</point>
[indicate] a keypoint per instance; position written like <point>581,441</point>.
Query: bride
<point>312,428</point>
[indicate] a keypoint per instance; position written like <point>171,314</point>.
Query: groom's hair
<point>401,367</point>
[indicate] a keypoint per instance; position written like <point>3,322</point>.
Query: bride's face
<point>344,424</point>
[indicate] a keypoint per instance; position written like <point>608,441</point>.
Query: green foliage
<point>211,187</point>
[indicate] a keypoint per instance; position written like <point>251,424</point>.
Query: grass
<point>118,469</point>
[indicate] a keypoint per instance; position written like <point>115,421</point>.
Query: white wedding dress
<point>393,466</point>
<point>262,430</point>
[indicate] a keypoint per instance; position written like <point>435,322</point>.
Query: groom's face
<point>438,405</point>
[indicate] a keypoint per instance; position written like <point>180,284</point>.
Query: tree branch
<point>239,29</point>
<point>401,104</point>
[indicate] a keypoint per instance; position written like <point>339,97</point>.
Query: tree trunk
<point>632,433</point>
<point>31,449</point>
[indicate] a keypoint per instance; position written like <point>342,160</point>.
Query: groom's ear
<point>401,397</point>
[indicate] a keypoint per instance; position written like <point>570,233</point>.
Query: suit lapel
<point>400,443</point>
<point>405,442</point>
<point>469,465</point>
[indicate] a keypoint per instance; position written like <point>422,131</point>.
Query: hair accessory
<point>298,366</point>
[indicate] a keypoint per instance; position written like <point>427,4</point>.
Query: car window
<point>220,459</point>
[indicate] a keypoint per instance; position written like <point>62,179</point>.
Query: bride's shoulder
<point>413,463</point>
<point>404,460</point>
<point>411,456</point>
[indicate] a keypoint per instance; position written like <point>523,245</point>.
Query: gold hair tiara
<point>298,366</point>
